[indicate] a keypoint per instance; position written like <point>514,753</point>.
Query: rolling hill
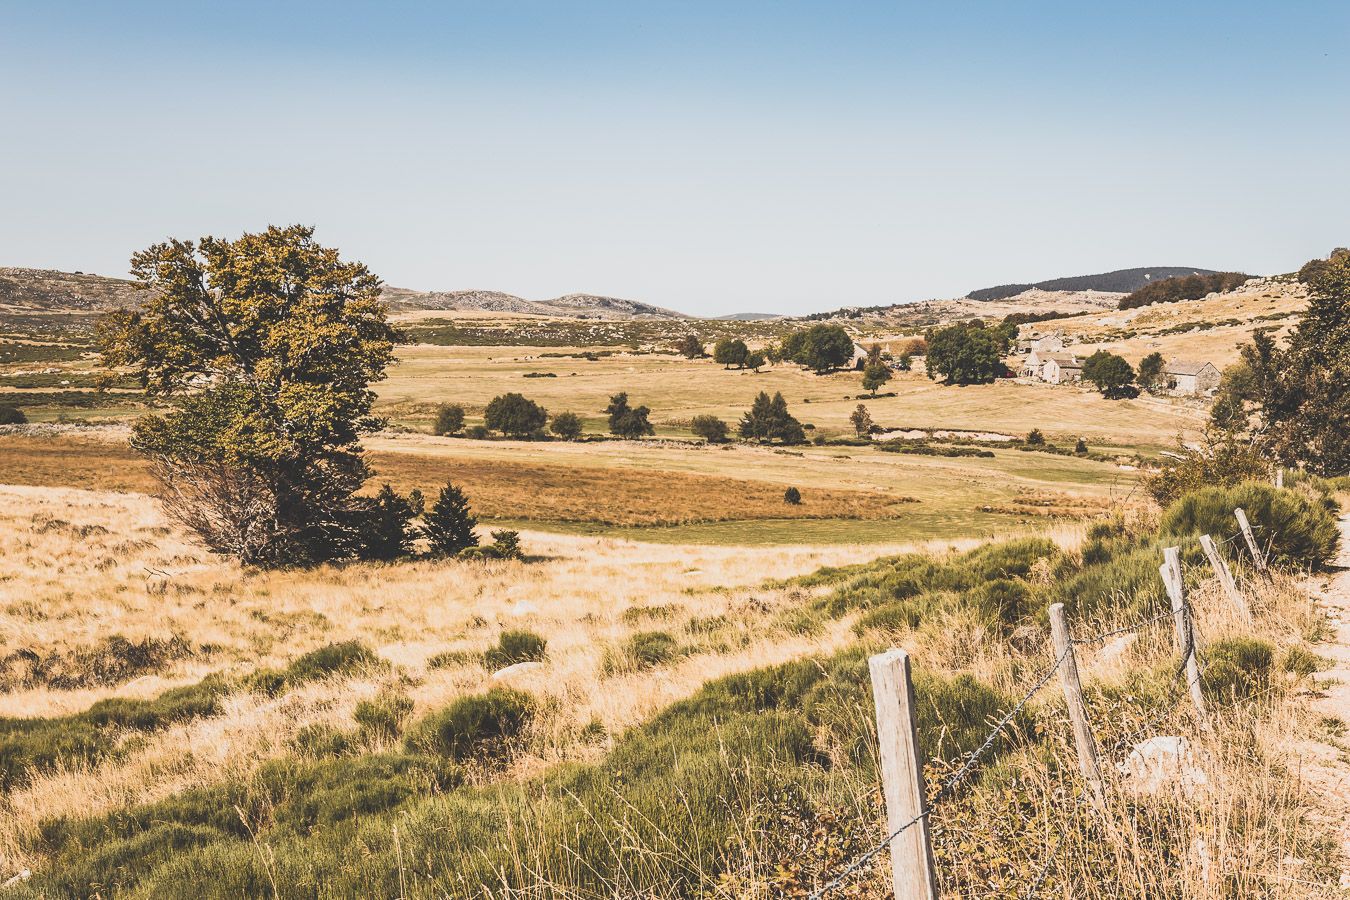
<point>46,291</point>
<point>1121,281</point>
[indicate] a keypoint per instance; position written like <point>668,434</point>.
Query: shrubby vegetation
<point>1111,374</point>
<point>566,425</point>
<point>1185,287</point>
<point>1296,528</point>
<point>710,428</point>
<point>10,415</point>
<point>449,419</point>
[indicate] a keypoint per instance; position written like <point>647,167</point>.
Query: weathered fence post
<point>1255,549</point>
<point>1279,477</point>
<point>1225,576</point>
<point>912,873</point>
<point>1073,697</point>
<point>1185,634</point>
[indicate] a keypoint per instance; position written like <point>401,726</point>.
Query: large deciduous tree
<point>965,353</point>
<point>629,422</point>
<point>1111,374</point>
<point>269,343</point>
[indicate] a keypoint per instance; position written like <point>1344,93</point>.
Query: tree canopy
<point>628,421</point>
<point>1111,374</point>
<point>1293,399</point>
<point>965,353</point>
<point>820,347</point>
<point>690,347</point>
<point>272,342</point>
<point>514,414</point>
<point>730,352</point>
<point>1151,371</point>
<point>769,420</point>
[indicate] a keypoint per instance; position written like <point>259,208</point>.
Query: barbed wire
<point>1188,650</point>
<point>947,786</point>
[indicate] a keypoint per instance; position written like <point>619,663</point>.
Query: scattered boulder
<point>1160,762</point>
<point>512,671</point>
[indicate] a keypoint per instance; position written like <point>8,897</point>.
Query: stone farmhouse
<point>1061,368</point>
<point>1189,378</point>
<point>1033,342</point>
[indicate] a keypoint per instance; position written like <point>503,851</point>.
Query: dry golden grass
<point>677,389</point>
<point>76,567</point>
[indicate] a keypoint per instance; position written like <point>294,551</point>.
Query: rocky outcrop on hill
<point>46,290</point>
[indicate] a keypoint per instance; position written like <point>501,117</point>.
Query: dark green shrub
<point>477,432</point>
<point>901,616</point>
<point>1001,600</point>
<point>506,544</point>
<point>334,659</point>
<point>1298,661</point>
<point>651,648</point>
<point>481,723</point>
<point>1237,668</point>
<point>710,428</point>
<point>449,419</point>
<point>515,647</point>
<point>1298,532</point>
<point>792,496</point>
<point>382,718</point>
<point>10,415</point>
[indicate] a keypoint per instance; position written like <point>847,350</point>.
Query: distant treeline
<point>1121,281</point>
<point>1188,287</point>
<point>1026,318</point>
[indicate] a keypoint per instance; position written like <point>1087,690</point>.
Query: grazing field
<point>677,389</point>
<point>672,491</point>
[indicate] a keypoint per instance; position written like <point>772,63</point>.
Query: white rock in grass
<point>1161,761</point>
<point>524,608</point>
<point>1113,650</point>
<point>521,668</point>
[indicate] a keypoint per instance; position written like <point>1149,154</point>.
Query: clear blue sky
<point>715,157</point>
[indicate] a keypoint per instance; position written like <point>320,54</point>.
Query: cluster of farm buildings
<point>1048,359</point>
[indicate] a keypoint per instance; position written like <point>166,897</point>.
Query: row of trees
<point>515,415</point>
<point>821,348</point>
<point>1186,287</point>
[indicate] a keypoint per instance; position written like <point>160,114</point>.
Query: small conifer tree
<point>450,523</point>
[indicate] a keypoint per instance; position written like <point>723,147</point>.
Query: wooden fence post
<point>1252,547</point>
<point>1279,477</point>
<point>1225,576</point>
<point>1185,634</point>
<point>1073,697</point>
<point>912,873</point>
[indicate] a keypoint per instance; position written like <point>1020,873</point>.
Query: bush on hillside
<point>710,428</point>
<point>1297,531</point>
<point>515,646</point>
<point>1237,668</point>
<point>480,723</point>
<point>10,415</point>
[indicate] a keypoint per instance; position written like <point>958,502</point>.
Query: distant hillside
<point>589,306</point>
<point>1121,281</point>
<point>748,317</point>
<point>46,290</point>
